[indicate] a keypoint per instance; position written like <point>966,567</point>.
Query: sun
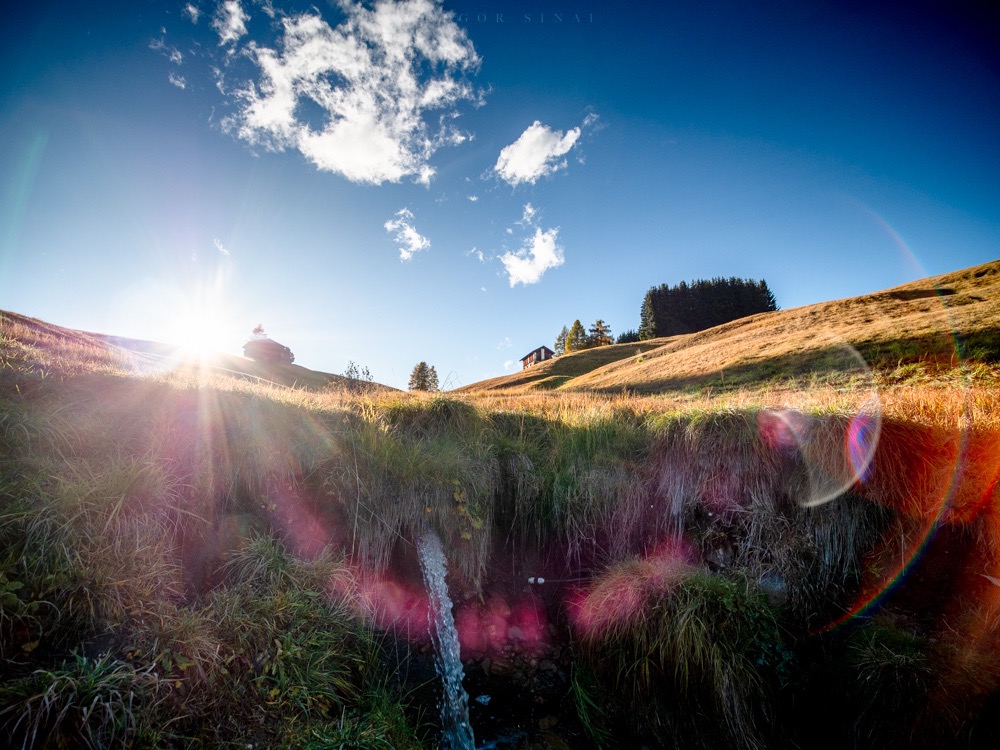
<point>200,332</point>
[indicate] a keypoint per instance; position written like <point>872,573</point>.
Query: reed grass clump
<point>890,673</point>
<point>98,702</point>
<point>697,657</point>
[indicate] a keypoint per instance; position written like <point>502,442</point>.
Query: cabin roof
<point>533,351</point>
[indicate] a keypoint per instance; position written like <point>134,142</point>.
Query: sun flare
<point>200,333</point>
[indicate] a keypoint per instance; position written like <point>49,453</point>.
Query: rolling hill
<point>61,348</point>
<point>937,321</point>
<point>933,323</point>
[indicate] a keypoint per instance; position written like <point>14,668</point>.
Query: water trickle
<point>456,729</point>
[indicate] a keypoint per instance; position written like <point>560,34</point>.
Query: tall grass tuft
<point>91,703</point>
<point>411,465</point>
<point>697,657</point>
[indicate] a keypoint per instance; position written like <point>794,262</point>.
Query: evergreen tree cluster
<point>627,337</point>
<point>686,308</point>
<point>424,378</point>
<point>576,337</point>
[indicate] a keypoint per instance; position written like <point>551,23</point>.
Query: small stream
<point>456,729</point>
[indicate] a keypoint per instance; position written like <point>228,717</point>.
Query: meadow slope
<point>945,318</point>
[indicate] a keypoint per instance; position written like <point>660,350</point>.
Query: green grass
<point>697,657</point>
<point>92,703</point>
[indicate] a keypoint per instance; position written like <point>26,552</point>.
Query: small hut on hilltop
<point>540,354</point>
<point>268,350</point>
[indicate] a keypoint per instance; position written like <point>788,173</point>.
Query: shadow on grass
<point>833,365</point>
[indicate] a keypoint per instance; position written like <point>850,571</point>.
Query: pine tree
<point>647,322</point>
<point>599,334</point>
<point>577,338</point>
<point>418,377</point>
<point>423,378</point>
<point>560,345</point>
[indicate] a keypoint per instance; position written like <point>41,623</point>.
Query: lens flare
<point>862,439</point>
<point>835,451</point>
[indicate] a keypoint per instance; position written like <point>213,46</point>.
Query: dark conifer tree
<point>630,336</point>
<point>647,322</point>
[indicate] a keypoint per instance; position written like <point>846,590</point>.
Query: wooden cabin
<point>266,350</point>
<point>541,354</point>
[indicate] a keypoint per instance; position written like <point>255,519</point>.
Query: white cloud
<point>475,253</point>
<point>536,153</point>
<point>410,241</point>
<point>230,22</point>
<point>539,253</point>
<point>176,80</point>
<point>191,11</point>
<point>508,363</point>
<point>473,198</point>
<point>220,247</point>
<point>372,80</point>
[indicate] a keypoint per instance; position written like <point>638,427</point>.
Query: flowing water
<point>456,729</point>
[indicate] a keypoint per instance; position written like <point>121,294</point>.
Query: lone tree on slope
<point>424,378</point>
<point>599,335</point>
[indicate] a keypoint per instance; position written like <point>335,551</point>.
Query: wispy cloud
<point>409,240</point>
<point>220,247</point>
<point>473,198</point>
<point>176,80</point>
<point>528,216</point>
<point>476,253</point>
<point>192,12</point>
<point>171,53</point>
<point>373,81</point>
<point>538,152</point>
<point>230,22</point>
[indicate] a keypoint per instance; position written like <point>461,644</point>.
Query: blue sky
<point>386,183</point>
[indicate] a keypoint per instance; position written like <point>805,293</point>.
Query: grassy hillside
<point>936,322</point>
<point>560,371</point>
<point>204,555</point>
<point>42,346</point>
